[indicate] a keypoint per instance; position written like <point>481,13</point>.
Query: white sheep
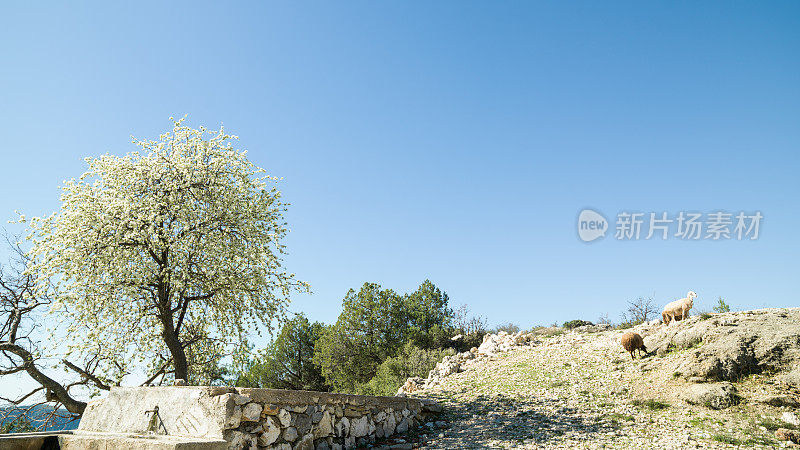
<point>679,309</point>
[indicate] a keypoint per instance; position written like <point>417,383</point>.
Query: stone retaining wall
<point>255,418</point>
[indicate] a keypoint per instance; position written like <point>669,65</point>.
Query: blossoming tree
<point>169,251</point>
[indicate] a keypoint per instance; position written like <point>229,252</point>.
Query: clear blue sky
<point>455,141</point>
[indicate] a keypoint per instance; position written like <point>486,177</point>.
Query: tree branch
<point>52,386</point>
<point>97,381</point>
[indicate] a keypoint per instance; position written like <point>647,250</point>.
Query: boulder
<point>431,406</point>
<point>729,346</point>
<point>411,385</point>
<point>712,395</point>
<point>779,401</point>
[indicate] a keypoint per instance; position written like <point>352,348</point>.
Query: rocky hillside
<point>711,381</point>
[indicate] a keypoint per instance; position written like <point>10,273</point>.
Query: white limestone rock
<point>359,427</point>
<point>272,431</point>
<point>325,426</point>
<point>285,418</point>
<point>251,412</point>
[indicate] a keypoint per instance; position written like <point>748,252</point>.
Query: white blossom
<point>187,213</point>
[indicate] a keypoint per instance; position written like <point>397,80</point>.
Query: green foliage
<point>472,328</point>
<point>576,323</point>
<point>509,328</point>
<point>376,323</point>
<point>21,424</point>
<point>428,316</point>
<point>548,331</point>
<point>726,439</point>
<point>773,424</point>
<point>179,244</point>
<point>624,325</point>
<point>410,362</point>
<point>721,306</point>
<point>371,328</point>
<point>288,361</point>
<point>651,404</point>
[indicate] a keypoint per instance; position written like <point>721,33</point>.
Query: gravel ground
<point>578,390</point>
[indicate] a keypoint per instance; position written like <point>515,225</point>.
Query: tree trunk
<point>176,349</point>
<point>169,333</point>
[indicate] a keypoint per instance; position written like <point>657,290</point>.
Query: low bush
<point>393,372</point>
<point>651,404</point>
<point>509,328</point>
<point>576,323</point>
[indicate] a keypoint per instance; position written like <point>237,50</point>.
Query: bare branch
<point>97,381</point>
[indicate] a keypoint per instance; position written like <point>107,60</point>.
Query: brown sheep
<point>632,341</point>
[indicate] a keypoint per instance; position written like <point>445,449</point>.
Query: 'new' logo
<point>591,225</point>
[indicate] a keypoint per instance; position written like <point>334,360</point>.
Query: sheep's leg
<point>632,355</point>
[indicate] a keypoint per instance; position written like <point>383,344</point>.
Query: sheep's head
<point>690,299</point>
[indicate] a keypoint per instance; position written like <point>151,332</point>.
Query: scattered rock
<point>402,446</point>
<point>784,434</point>
<point>598,328</point>
<point>411,385</point>
<point>790,418</point>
